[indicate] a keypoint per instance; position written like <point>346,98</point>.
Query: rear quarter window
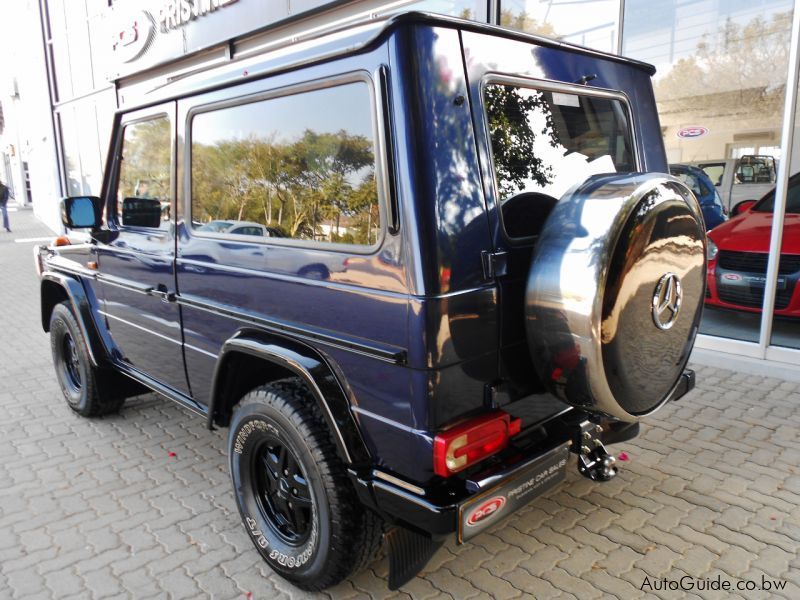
<point>300,165</point>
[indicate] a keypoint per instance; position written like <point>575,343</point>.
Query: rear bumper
<point>438,510</point>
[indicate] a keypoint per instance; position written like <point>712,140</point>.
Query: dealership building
<point>726,88</point>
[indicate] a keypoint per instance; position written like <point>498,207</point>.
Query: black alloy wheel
<point>292,489</point>
<point>283,491</point>
<point>70,363</point>
<point>76,375</point>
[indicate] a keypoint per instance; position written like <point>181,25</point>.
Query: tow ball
<point>594,461</point>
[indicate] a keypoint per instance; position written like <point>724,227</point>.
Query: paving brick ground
<point>99,508</point>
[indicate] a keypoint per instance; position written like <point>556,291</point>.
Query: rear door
<point>137,263</point>
<point>539,137</point>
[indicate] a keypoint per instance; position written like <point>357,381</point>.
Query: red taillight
<point>468,443</point>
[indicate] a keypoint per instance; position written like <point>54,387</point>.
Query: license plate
<point>511,494</point>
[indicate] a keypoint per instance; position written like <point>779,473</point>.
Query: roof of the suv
<point>317,46</point>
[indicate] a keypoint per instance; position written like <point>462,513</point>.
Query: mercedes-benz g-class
<point>413,266</point>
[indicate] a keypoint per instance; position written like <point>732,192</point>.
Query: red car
<point>737,257</point>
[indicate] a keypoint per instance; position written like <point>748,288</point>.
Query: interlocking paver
<point>92,509</point>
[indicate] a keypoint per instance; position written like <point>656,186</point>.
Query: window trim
<point>378,142</point>
<point>492,78</point>
<point>112,216</point>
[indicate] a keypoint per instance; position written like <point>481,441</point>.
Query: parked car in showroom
<point>738,252</point>
<point>521,280</point>
<point>737,179</point>
<point>707,195</point>
<point>241,228</point>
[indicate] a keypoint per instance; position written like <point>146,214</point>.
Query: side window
<point>143,191</point>
<point>300,167</point>
<point>544,142</point>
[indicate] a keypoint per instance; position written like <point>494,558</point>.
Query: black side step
<point>409,552</point>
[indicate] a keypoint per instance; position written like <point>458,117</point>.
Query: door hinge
<point>495,264</point>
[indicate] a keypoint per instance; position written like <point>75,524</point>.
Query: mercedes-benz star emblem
<point>667,301</point>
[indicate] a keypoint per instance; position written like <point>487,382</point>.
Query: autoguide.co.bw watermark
<point>718,583</point>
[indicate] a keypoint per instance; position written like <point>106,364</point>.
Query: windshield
<point>767,203</point>
<point>545,142</point>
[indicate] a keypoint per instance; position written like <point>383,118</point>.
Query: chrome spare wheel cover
<point>615,292</point>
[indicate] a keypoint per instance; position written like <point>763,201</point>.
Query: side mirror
<point>82,212</point>
<point>742,207</point>
<point>141,212</point>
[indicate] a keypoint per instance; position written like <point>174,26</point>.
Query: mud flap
<point>409,552</point>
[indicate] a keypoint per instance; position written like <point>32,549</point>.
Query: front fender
<point>56,287</point>
<point>317,373</point>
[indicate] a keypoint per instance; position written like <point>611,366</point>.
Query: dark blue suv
<point>413,266</point>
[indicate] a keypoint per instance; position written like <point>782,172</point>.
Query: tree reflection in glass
<point>545,142</point>
<point>301,166</point>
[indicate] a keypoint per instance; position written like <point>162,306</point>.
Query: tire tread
<point>95,405</point>
<point>356,533</point>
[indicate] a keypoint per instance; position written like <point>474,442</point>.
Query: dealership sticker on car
<point>512,493</point>
<point>751,281</point>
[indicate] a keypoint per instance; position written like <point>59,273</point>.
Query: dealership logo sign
<point>135,33</point>
<point>485,510</point>
<point>133,37</point>
<point>692,131</point>
<point>176,13</point>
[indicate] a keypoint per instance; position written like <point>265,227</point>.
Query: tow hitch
<point>594,461</point>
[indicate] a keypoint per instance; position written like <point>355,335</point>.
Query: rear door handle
<point>162,292</point>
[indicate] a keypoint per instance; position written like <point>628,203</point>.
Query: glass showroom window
<point>720,87</point>
<point>85,135</point>
<point>466,9</point>
<point>786,315</point>
<point>592,23</point>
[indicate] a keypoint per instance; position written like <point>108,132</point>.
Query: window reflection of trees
<point>318,186</point>
<point>145,171</point>
<point>146,160</point>
<point>514,139</point>
<point>544,142</point>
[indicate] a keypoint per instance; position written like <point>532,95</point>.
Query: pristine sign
<point>529,481</point>
<point>148,33</point>
<point>179,12</point>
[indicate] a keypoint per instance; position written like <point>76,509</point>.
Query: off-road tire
<point>343,536</point>
<point>74,371</point>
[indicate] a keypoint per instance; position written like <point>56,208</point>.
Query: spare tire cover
<point>615,290</point>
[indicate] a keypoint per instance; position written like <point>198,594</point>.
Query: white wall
<point>27,114</point>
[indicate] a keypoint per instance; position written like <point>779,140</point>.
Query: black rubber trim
<point>160,388</point>
<point>685,384</point>
<point>73,287</point>
<point>384,353</point>
<point>409,552</point>
<point>318,376</point>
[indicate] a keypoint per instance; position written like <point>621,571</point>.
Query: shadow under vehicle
<point>520,281</point>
